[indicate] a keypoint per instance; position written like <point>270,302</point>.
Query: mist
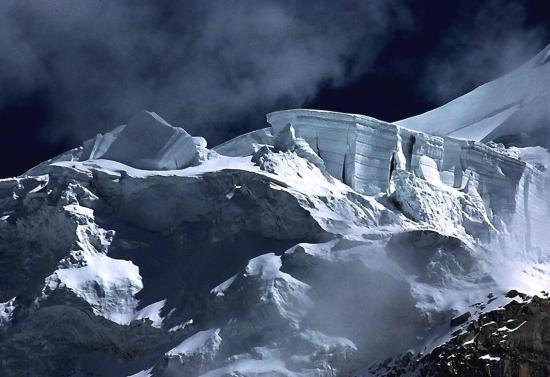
<point>202,65</point>
<point>488,40</point>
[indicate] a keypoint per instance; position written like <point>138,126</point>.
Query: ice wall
<point>363,152</point>
<point>530,221</point>
<point>356,149</point>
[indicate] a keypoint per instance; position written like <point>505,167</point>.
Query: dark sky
<point>71,68</point>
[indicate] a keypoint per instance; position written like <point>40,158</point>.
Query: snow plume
<point>490,39</point>
<point>207,64</point>
<point>330,270</point>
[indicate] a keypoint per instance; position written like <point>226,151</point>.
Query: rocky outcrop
<point>513,340</point>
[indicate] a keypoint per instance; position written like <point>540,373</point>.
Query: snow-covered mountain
<point>319,246</point>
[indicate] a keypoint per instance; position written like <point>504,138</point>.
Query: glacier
<point>320,245</point>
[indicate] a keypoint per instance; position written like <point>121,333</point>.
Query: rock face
<point>316,247</point>
<point>513,341</point>
<point>510,342</point>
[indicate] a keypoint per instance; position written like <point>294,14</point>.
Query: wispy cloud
<point>487,40</point>
<point>202,65</point>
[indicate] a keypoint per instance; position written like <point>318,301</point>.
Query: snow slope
<point>514,109</point>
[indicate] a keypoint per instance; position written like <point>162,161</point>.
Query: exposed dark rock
<point>513,294</point>
<point>460,319</point>
<point>511,341</point>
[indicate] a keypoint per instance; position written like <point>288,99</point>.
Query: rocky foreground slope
<point>325,245</point>
<point>511,341</point>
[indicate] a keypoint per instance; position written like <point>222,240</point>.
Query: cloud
<point>487,40</point>
<point>204,65</point>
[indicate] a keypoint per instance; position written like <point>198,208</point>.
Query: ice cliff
<point>318,246</point>
<point>365,153</point>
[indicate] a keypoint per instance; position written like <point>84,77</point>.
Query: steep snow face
<point>311,248</point>
<point>513,109</point>
<point>194,354</point>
